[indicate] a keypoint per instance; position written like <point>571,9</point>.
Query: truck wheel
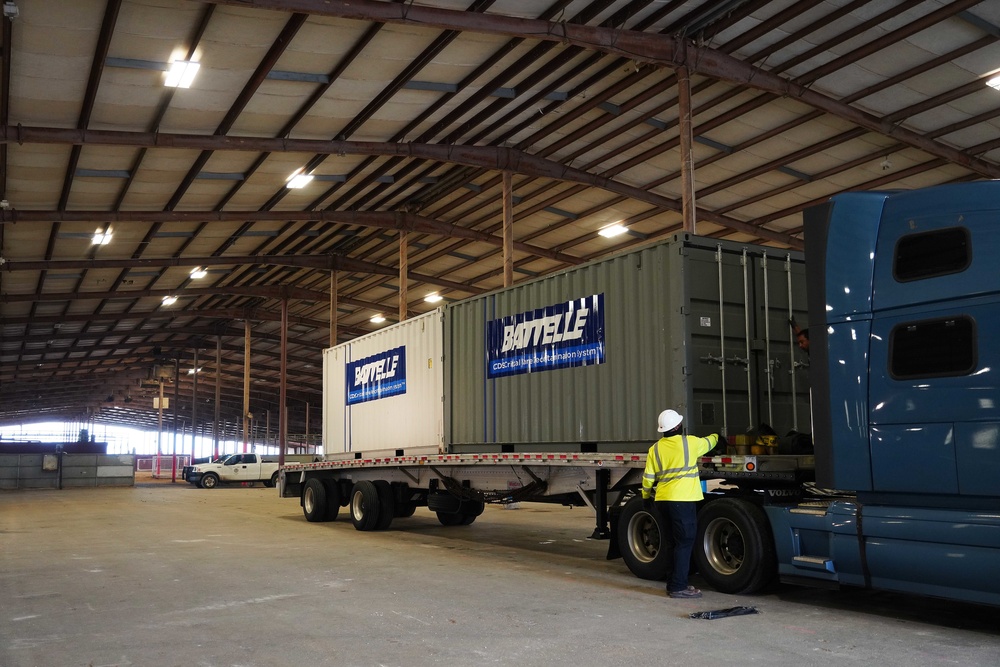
<point>209,481</point>
<point>734,549</point>
<point>386,504</point>
<point>364,505</point>
<point>315,501</point>
<point>644,542</point>
<point>271,483</point>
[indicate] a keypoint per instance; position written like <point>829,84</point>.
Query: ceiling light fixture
<point>10,10</point>
<point>198,273</point>
<point>994,82</point>
<point>378,319</point>
<point>192,371</point>
<point>102,237</point>
<point>433,298</point>
<point>299,180</point>
<point>169,300</point>
<point>181,73</point>
<point>612,230</point>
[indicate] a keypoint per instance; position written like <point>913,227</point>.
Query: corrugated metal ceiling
<point>793,101</point>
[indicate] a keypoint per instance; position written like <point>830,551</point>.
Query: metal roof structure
<point>411,117</point>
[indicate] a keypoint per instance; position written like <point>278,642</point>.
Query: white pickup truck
<point>248,468</point>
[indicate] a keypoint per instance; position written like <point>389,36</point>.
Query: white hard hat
<point>668,421</point>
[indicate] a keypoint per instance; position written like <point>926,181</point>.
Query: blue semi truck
<point>904,302</point>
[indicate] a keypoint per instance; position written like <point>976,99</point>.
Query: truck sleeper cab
<point>903,294</point>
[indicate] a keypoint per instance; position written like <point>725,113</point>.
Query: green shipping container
<point>584,360</point>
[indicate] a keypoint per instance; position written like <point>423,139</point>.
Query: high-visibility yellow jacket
<point>672,467</point>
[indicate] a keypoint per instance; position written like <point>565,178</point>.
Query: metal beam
<point>659,49</point>
<point>402,221</point>
<point>486,157</point>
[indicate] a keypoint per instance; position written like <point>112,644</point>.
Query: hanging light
<point>378,319</point>
<point>198,273</point>
<point>181,73</point>
<point>169,300</point>
<point>433,298</point>
<point>299,179</point>
<point>102,237</point>
<point>612,230</point>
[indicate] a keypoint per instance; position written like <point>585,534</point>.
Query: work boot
<point>689,592</point>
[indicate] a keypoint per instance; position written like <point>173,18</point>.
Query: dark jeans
<point>682,518</point>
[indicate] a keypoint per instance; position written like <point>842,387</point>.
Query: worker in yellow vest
<point>671,480</point>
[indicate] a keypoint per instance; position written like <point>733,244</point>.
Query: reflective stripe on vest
<point>687,470</point>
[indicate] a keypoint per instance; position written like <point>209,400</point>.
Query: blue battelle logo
<point>557,336</point>
<point>378,376</point>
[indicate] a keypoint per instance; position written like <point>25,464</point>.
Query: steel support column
<point>687,156</point>
<point>246,384</point>
<point>283,386</point>
<point>508,229</point>
<point>404,267</point>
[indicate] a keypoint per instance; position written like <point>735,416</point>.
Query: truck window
<point>233,460</point>
<point>930,254</point>
<point>933,348</point>
<point>249,458</point>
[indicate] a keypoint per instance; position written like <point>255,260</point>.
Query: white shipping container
<point>384,391</point>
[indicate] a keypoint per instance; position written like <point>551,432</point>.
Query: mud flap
<point>613,550</point>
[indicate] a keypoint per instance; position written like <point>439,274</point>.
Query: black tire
<point>450,518</point>
<point>273,482</point>
<point>209,481</point>
<point>364,505</point>
<point>386,504</point>
<point>405,510</point>
<point>333,503</point>
<point>315,502</point>
<point>644,542</point>
<point>734,549</point>
<point>469,512</point>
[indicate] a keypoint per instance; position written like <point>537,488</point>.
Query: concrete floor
<point>167,574</point>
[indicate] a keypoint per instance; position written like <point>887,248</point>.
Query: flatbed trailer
<point>379,489</point>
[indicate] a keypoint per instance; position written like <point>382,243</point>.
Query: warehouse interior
<point>197,198</point>
<point>327,168</point>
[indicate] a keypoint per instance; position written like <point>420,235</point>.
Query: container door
<point>744,366</point>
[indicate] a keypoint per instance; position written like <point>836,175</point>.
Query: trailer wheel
<point>734,549</point>
<point>405,510</point>
<point>333,503</point>
<point>209,481</point>
<point>315,501</point>
<point>386,504</point>
<point>644,542</point>
<point>450,518</point>
<point>364,505</point>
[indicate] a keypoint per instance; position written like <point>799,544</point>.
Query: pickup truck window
<point>249,458</point>
<point>233,460</point>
